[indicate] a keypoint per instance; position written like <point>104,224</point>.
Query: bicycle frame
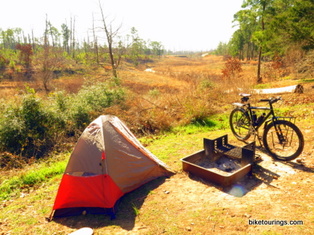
<point>270,113</point>
<point>267,115</point>
<point>277,134</point>
<point>250,110</point>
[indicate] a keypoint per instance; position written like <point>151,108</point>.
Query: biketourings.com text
<point>275,222</point>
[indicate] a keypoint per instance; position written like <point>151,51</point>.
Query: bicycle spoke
<point>240,124</point>
<point>283,140</point>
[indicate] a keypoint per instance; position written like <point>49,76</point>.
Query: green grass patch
<point>212,123</point>
<point>31,178</point>
<point>171,146</point>
<point>308,80</point>
<point>262,86</point>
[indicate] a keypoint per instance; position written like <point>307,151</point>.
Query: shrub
<point>26,129</point>
<point>232,68</point>
<point>305,66</point>
<point>35,126</point>
<point>90,103</point>
<point>100,96</point>
<point>10,161</point>
<point>80,117</point>
<point>12,132</point>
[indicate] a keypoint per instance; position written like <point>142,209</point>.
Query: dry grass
<point>182,89</point>
<point>179,91</point>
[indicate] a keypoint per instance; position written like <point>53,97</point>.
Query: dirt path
<point>276,191</point>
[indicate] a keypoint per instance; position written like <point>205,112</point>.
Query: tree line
<point>20,52</point>
<point>269,29</point>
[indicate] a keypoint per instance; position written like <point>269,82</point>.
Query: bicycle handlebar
<point>271,100</point>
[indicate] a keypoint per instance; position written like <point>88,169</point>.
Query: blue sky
<point>177,24</point>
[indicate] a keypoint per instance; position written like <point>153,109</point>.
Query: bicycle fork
<point>280,135</point>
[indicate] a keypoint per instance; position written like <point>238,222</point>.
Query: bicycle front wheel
<point>283,140</point>
<point>240,124</point>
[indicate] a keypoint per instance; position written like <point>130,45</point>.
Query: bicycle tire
<point>290,148</point>
<point>240,124</point>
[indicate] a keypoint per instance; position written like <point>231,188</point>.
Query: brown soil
<point>281,191</point>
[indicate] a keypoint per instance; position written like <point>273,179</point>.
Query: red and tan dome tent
<point>106,163</point>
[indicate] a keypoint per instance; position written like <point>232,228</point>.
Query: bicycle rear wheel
<point>240,124</point>
<point>283,140</point>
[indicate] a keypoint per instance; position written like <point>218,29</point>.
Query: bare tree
<point>72,37</point>
<point>95,42</point>
<point>110,35</point>
<point>50,59</point>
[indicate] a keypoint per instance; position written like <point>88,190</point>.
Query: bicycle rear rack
<point>291,119</point>
<point>220,162</point>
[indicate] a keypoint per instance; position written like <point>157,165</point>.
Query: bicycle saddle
<point>245,95</point>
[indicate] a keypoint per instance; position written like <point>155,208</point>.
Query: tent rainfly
<point>106,163</point>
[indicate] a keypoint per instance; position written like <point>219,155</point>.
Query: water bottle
<point>260,119</point>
